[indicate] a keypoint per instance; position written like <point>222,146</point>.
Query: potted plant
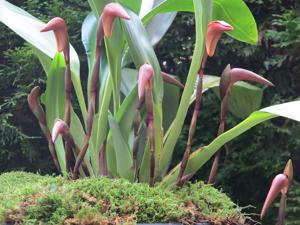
<point>124,129</point>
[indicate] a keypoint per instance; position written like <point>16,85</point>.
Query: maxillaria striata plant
<point>134,119</point>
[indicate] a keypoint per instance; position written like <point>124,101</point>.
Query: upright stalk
<point>193,123</point>
<point>216,162</point>
<point>92,102</point>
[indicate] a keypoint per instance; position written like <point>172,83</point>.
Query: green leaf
<point>234,12</point>
<point>170,104</point>
<point>124,158</point>
<point>97,6</point>
<point>28,27</point>
<point>114,50</point>
<point>201,156</point>
<point>55,101</point>
<point>134,5</point>
<point>128,80</point>
<point>124,117</point>
<point>88,37</point>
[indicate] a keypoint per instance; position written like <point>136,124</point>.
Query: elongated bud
<point>110,12</point>
<point>146,73</point>
<point>35,105</point>
<point>59,27</point>
<point>171,80</point>
<point>60,128</point>
<point>215,30</point>
<point>279,184</point>
<point>230,76</point>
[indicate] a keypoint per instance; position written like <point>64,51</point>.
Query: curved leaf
<point>201,156</point>
<point>234,12</point>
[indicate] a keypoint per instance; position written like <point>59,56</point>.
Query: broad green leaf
<point>88,37</point>
<point>234,12</point>
<point>114,50</point>
<point>55,90</point>
<point>134,5</point>
<point>28,27</point>
<point>55,101</point>
<point>170,104</point>
<point>201,156</point>
<point>97,6</point>
<point>124,159</point>
<point>175,130</point>
<point>244,99</point>
<point>124,118</point>
<point>128,80</point>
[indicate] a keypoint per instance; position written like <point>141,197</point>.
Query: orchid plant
<point>127,129</point>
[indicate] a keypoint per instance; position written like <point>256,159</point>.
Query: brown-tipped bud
<point>34,104</point>
<point>60,128</point>
<point>279,184</point>
<point>146,73</point>
<point>171,80</point>
<point>238,74</point>
<point>215,30</point>
<point>225,81</point>
<point>288,170</point>
<point>59,27</point>
<point>110,12</point>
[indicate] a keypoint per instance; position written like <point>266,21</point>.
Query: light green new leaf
<point>234,12</point>
<point>124,160</point>
<point>28,27</point>
<point>201,156</point>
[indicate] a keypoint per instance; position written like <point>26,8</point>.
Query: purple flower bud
<point>146,73</point>
<point>279,184</point>
<point>60,128</point>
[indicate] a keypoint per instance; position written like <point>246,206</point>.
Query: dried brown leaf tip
<point>110,12</point>
<point>59,27</point>
<point>215,30</point>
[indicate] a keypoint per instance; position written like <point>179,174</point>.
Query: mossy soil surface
<point>27,198</point>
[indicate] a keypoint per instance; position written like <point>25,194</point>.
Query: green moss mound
<point>27,198</point>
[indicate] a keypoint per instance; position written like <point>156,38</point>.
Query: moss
<point>30,199</point>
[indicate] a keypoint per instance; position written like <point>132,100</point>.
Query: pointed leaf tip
<point>110,12</point>
<point>279,184</point>
<point>215,30</point>
<point>171,80</point>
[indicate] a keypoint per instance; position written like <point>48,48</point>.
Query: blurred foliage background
<point>249,162</point>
